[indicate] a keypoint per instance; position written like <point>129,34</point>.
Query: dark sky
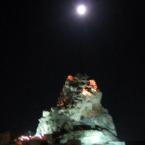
<point>44,41</point>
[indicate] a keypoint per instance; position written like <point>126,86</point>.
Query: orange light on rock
<point>70,78</point>
<point>93,84</point>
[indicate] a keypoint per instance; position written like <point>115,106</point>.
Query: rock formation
<point>79,117</point>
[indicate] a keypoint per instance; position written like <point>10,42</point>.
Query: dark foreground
<point>8,138</point>
<point>135,143</point>
<point>38,143</point>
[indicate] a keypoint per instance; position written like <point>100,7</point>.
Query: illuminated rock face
<point>79,116</point>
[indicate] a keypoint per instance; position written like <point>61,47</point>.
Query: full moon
<point>81,9</point>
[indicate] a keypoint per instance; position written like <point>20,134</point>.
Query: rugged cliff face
<point>79,116</point>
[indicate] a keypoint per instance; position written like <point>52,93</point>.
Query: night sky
<point>44,41</point>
